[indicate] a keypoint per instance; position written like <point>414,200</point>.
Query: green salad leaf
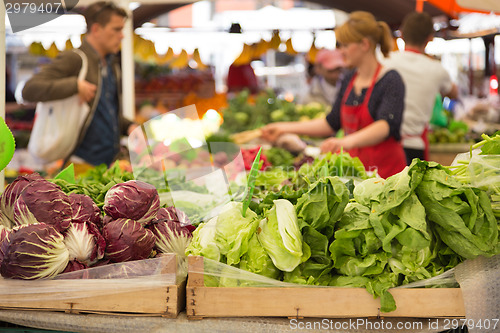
<point>280,236</point>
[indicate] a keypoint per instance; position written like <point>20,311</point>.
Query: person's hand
<point>334,144</point>
<point>273,131</point>
<point>86,90</point>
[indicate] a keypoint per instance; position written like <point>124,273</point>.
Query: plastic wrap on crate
<point>212,285</point>
<point>481,171</point>
<point>217,274</point>
<point>170,151</point>
<point>478,280</point>
<point>103,280</point>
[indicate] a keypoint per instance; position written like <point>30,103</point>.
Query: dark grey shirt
<point>386,102</point>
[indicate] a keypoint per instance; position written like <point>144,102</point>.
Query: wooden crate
<point>318,302</point>
<point>165,301</point>
<point>445,153</point>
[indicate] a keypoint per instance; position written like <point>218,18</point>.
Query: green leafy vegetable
<point>256,260</point>
<point>251,182</point>
<point>280,236</point>
<point>203,241</point>
<point>233,231</point>
<point>324,202</point>
<point>68,174</point>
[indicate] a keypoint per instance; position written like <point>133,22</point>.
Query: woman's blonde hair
<point>361,24</point>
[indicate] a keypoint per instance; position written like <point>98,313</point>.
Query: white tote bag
<point>59,124</point>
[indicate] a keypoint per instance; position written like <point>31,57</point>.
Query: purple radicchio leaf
<point>22,214</point>
<point>47,204</point>
<point>34,251</point>
<point>174,214</point>
<point>4,241</point>
<point>12,192</point>
<point>5,221</point>
<point>4,232</point>
<point>127,240</point>
<point>105,220</point>
<point>102,262</point>
<point>171,236</point>
<point>84,209</point>
<point>73,266</point>
<point>134,200</point>
<point>84,242</point>
<point>5,237</point>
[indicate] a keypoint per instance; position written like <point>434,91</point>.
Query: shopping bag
<point>59,124</point>
<point>439,117</point>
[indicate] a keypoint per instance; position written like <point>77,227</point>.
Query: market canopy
<point>390,11</point>
<point>455,7</point>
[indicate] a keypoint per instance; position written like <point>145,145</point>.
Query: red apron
<point>425,138</point>
<point>388,156</point>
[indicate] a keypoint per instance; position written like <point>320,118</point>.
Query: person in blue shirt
<point>100,141</point>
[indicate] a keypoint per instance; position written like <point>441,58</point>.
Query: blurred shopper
<point>370,103</point>
<point>325,84</point>
<point>424,78</point>
<point>101,89</point>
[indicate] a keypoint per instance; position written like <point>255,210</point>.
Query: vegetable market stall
<point>477,279</point>
<point>327,225</point>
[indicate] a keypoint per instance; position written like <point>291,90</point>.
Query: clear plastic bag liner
<point>219,274</point>
<point>170,151</point>
<point>479,281</point>
<point>446,279</point>
<point>103,280</point>
<point>485,171</point>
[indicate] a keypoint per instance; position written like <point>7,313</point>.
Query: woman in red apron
<point>387,156</point>
<point>370,103</point>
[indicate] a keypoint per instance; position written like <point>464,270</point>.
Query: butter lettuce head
<point>369,190</point>
<point>323,204</point>
<point>280,236</point>
<point>233,231</point>
<point>256,260</point>
<point>203,241</point>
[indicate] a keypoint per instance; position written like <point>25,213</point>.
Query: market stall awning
<point>390,11</point>
<point>454,8</point>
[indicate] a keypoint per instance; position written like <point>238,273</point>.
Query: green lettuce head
<point>256,260</point>
<point>203,241</point>
<point>233,231</point>
<point>280,236</point>
<point>323,204</point>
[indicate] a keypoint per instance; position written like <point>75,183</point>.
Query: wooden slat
<point>328,302</point>
<point>195,264</point>
<point>165,301</point>
<point>321,302</point>
<point>147,300</point>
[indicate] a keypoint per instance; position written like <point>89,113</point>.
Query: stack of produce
<point>246,112</point>
<point>409,227</point>
<point>481,168</point>
<point>455,132</point>
<point>45,232</point>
